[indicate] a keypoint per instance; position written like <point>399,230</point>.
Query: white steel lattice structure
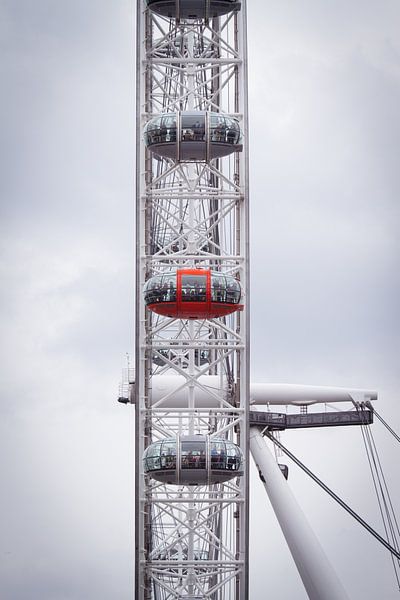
<point>191,373</point>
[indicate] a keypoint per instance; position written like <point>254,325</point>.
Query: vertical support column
<point>142,516</point>
<point>241,177</point>
<point>317,574</point>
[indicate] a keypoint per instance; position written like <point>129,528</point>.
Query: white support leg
<point>317,574</point>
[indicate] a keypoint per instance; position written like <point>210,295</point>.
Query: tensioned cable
<point>397,437</point>
<point>379,469</point>
<point>380,485</point>
<point>333,495</point>
<point>369,449</point>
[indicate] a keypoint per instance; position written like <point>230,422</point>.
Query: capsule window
<point>218,455</point>
<point>193,455</point>
<point>153,131</point>
<point>166,292</point>
<point>169,121</point>
<point>232,131</point>
<point>169,288</point>
<point>194,288</point>
<point>218,128</point>
<point>168,455</point>
<point>152,457</point>
<point>232,291</point>
<point>193,128</point>
<point>232,456</point>
<point>168,128</point>
<point>218,288</point>
<point>153,291</point>
<point>154,124</point>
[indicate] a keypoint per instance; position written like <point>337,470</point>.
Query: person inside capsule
<point>193,288</point>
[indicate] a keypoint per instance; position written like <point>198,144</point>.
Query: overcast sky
<point>324,95</point>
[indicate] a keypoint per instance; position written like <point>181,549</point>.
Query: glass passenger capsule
<point>192,9</point>
<point>195,135</point>
<point>193,460</point>
<point>193,294</point>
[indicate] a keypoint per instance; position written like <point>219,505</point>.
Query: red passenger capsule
<point>193,294</point>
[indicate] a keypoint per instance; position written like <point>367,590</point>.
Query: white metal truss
<point>191,541</point>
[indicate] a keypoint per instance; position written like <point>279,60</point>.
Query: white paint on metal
<point>285,393</point>
<point>316,572</point>
<point>170,391</point>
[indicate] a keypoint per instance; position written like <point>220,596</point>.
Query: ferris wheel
<point>192,301</point>
<point>196,412</point>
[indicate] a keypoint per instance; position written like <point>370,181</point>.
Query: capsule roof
<point>193,460</point>
<point>193,294</point>
<point>193,135</point>
<point>193,9</point>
